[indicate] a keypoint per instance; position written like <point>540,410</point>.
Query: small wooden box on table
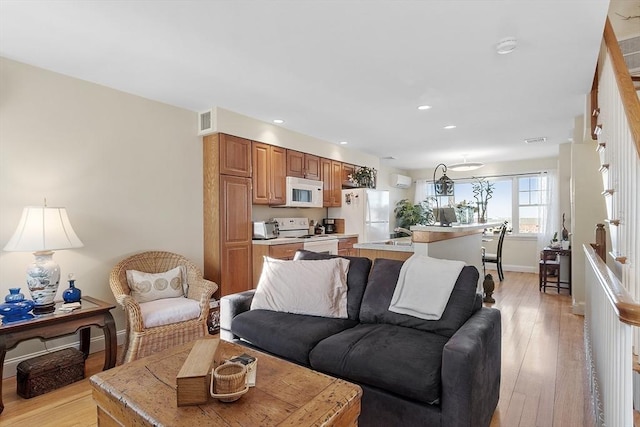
<point>143,392</point>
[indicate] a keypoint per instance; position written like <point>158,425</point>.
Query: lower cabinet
<point>345,246</point>
<point>286,251</point>
<point>372,254</point>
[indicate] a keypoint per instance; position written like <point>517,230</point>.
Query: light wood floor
<point>543,372</point>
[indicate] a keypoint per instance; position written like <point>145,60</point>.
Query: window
<point>517,199</point>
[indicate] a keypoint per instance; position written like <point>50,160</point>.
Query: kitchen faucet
<point>403,230</point>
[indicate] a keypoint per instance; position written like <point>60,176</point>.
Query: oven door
<point>324,246</point>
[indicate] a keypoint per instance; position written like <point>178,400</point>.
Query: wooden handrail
<point>625,84</point>
<point>626,308</point>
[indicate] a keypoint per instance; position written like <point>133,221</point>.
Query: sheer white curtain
<point>548,210</point>
<point>424,189</point>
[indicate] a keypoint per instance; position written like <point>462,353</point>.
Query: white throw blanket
<point>424,286</point>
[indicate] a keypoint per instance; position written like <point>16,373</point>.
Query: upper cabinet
<point>331,173</point>
<point>269,172</point>
<point>303,165</point>
<point>235,156</point>
<point>347,170</point>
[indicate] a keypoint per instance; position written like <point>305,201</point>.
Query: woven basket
<point>230,378</point>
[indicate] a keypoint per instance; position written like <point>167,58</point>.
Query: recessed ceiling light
<point>424,107</point>
<point>506,45</point>
<point>343,142</point>
<point>278,121</point>
<point>450,127</point>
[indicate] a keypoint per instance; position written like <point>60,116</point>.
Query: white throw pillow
<point>313,287</point>
<point>168,310</point>
<point>147,287</point>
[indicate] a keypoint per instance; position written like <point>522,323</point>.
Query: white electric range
<point>298,229</point>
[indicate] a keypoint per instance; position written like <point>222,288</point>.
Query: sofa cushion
<point>382,283</point>
<point>357,276</point>
<point>404,361</point>
<point>291,336</point>
<point>316,288</point>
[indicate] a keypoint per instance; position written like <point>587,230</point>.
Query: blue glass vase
<point>72,294</point>
<point>14,295</point>
<point>15,307</point>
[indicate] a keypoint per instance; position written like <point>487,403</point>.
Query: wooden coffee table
<point>143,392</point>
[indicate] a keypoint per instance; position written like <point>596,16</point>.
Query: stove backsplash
<point>264,213</point>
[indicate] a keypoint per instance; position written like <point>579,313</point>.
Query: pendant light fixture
<point>465,166</point>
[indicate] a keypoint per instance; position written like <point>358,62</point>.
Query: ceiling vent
<point>207,122</point>
<point>631,52</point>
<point>535,140</point>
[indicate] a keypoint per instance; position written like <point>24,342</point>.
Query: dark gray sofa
<point>413,372</point>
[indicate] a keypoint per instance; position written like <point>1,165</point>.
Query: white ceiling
<point>338,70</point>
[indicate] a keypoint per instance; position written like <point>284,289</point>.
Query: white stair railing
<point>610,314</point>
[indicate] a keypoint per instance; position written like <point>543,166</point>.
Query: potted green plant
<point>364,176</point>
<point>408,214</point>
<point>482,192</point>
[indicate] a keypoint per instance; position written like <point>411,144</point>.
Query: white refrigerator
<point>365,212</point>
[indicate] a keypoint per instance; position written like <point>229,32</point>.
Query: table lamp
<point>43,229</point>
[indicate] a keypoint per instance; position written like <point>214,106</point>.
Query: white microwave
<point>303,193</point>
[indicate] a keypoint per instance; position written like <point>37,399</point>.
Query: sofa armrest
<point>471,363</point>
<point>230,307</point>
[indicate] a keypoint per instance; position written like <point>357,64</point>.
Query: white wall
<point>128,170</point>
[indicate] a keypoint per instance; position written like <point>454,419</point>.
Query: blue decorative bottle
<point>14,295</point>
<point>72,294</point>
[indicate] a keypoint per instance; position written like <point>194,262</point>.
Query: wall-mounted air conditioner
<point>400,181</point>
<point>207,122</point>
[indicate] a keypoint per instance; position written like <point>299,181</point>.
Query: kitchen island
<point>459,242</point>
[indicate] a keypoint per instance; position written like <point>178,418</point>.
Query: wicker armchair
<point>141,341</point>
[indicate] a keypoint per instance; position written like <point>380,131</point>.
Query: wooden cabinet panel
<point>286,251</point>
<point>278,168</point>
<point>331,175</point>
<point>347,170</point>
<point>236,234</point>
<point>303,165</point>
<point>311,166</point>
<point>295,163</point>
<point>260,173</point>
<point>269,172</point>
<point>235,156</point>
<point>345,246</point>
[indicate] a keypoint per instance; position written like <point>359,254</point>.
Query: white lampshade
<point>43,228</point>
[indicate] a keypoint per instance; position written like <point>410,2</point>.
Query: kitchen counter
<point>288,240</point>
<point>401,244</point>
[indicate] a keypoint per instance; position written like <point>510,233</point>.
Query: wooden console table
<point>93,312</point>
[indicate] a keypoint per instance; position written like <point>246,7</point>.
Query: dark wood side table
<point>93,312</point>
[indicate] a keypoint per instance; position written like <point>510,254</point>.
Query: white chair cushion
<point>168,310</point>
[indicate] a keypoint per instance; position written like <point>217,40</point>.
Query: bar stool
<point>549,263</point>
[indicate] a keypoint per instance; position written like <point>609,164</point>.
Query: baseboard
<point>97,344</point>
<point>578,308</point>
<point>515,268</point>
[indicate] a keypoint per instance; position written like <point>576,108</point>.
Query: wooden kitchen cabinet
<point>347,170</point>
<point>227,224</point>
<point>286,251</point>
<point>269,164</point>
<point>303,165</point>
<point>345,246</point>
<point>235,155</point>
<point>332,179</point>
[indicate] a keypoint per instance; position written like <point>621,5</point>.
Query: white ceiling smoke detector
<point>535,140</point>
<point>506,45</point>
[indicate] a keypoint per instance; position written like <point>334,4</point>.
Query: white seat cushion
<point>168,310</point>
